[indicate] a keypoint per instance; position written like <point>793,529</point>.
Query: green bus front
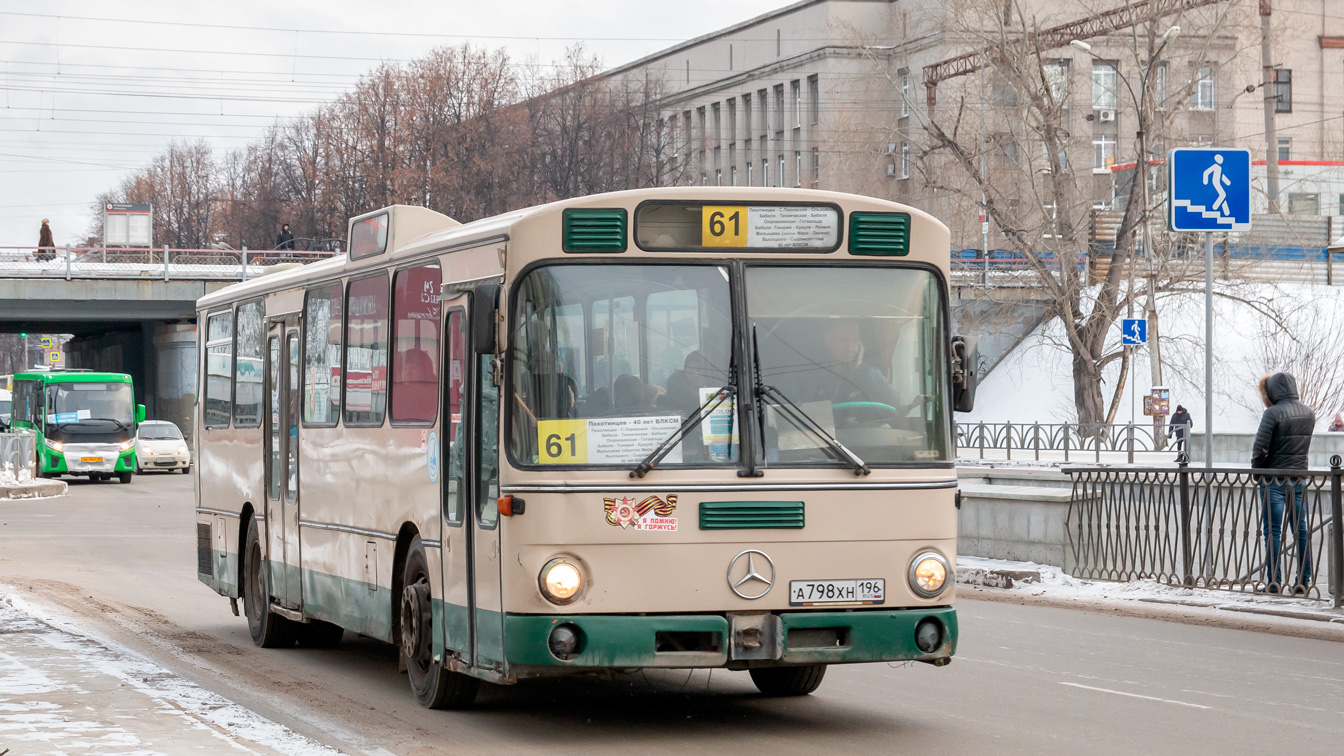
<point>85,422</point>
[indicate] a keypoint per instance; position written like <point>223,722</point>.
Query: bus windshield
<point>77,402</point>
<point>609,360</point>
<point>860,352</point>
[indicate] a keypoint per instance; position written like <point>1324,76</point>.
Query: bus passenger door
<point>455,615</point>
<point>293,404</point>
<point>282,511</point>
<point>487,608</point>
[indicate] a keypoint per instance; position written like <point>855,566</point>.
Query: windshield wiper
<point>795,414</point>
<point>720,395</point>
<point>119,423</point>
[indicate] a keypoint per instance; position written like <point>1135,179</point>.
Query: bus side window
<point>455,482</point>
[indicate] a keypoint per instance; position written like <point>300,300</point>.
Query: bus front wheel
<point>788,681</point>
<point>435,686</point>
<point>268,630</point>
<point>124,477</point>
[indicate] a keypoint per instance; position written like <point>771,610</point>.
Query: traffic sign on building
<point>1209,189</point>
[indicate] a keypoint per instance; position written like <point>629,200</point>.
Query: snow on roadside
<point>1055,584</point>
<point>52,686</point>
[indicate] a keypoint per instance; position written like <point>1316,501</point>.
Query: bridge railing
<point>1029,440</point>
<point>1235,529</point>
<point>161,263</point>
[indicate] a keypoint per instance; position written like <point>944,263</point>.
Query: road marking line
<point>1136,695</point>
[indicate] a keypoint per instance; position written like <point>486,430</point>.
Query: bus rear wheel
<point>435,686</point>
<point>268,630</point>
<point>788,681</point>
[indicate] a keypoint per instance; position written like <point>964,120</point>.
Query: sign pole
<point>1208,348</point>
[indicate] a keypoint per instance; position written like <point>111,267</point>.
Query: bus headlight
<point>928,574</point>
<point>126,445</point>
<point>560,581</point>
<point>56,446</point>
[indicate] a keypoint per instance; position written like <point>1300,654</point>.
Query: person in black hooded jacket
<point>1282,443</point>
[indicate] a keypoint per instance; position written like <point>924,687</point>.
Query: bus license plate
<point>816,592</point>
<point>90,459</point>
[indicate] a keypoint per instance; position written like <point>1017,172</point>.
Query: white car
<point>159,446</point>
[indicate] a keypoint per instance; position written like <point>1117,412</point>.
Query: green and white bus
<point>85,422</point>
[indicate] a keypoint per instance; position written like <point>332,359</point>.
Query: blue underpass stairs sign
<point>1133,331</point>
<point>1209,189</point>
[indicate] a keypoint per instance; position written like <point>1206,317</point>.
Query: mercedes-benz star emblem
<point>753,576</point>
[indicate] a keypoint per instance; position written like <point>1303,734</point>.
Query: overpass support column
<point>175,374</point>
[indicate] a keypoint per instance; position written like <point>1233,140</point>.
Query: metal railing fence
<point>18,456</point>
<point>161,263</point>
<point>1072,439</point>
<point>1235,529</point>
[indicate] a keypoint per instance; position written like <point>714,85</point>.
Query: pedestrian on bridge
<point>285,239</point>
<point>1282,443</point>
<point>1179,427</point>
<point>46,246</point>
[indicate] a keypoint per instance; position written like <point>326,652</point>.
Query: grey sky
<point>83,101</point>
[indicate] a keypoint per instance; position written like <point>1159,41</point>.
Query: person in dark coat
<point>1179,426</point>
<point>1282,443</point>
<point>285,239</point>
<point>46,246</point>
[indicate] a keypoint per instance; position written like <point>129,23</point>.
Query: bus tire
<point>268,630</point>
<point>124,477</point>
<point>788,681</point>
<point>434,685</point>
<point>319,634</point>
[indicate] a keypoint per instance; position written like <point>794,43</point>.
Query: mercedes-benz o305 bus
<point>85,422</point>
<point>688,427</point>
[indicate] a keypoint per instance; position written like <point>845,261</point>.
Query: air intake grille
<point>879,233</point>
<point>750,515</point>
<point>205,563</point>
<point>594,230</point>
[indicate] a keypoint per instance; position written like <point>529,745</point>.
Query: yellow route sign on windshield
<point>723,226</point>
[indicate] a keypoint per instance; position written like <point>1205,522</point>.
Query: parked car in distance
<point>159,446</point>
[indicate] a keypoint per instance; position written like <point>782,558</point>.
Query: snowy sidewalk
<point>61,693</point>
<point>1031,580</point>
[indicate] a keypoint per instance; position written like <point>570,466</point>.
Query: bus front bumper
<point>710,640</point>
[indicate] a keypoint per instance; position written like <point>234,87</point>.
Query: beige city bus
<point>689,427</point>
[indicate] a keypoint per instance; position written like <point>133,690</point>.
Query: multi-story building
<point>831,94</point>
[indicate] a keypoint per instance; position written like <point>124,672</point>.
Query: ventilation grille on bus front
<point>879,233</point>
<point>593,230</point>
<point>205,563</point>
<point>748,515</point>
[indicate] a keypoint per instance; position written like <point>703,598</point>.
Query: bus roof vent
<point>594,230</point>
<point>879,233</point>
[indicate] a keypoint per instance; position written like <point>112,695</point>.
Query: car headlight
<point>126,445</point>
<point>560,581</point>
<point>56,445</point>
<point>181,450</point>
<point>149,451</point>
<point>928,574</point>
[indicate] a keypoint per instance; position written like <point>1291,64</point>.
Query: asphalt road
<point>119,560</point>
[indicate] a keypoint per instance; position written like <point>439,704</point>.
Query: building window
<point>779,109</point>
<point>1160,87</point>
<point>322,324</point>
<point>734,175</point>
<point>750,175</point>
<point>732,120</point>
<point>905,94</point>
<point>797,87</point>
<point>1201,94</point>
<point>1103,152</point>
<point>1285,149</point>
<point>814,99</point>
<point>366,351</point>
<point>1304,204</point>
<point>797,167</point>
<point>415,340</point>
<point>746,115</point>
<point>765,171</point>
<point>781,170</point>
<point>250,332</point>
<point>718,177</point>
<point>1104,80</point>
<point>686,132</point>
<point>676,139</point>
<point>1283,90</point>
<point>1057,78</point>
<point>218,369</point>
<point>905,160</point>
<point>718,125</point>
<point>762,102</point>
<point>816,165</point>
<point>732,157</point>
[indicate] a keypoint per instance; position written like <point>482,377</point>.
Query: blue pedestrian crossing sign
<point>1133,331</point>
<point>1209,189</point>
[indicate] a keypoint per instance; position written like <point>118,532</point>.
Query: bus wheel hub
<point>414,606</point>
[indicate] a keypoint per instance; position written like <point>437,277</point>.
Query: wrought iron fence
<point>1072,439</point>
<point>1236,529</point>
<point>163,263</point>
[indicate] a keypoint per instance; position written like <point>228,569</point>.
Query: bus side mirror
<point>139,413</point>
<point>484,318</point>
<point>965,373</point>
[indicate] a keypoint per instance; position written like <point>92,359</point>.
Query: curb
<point>37,489</point>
